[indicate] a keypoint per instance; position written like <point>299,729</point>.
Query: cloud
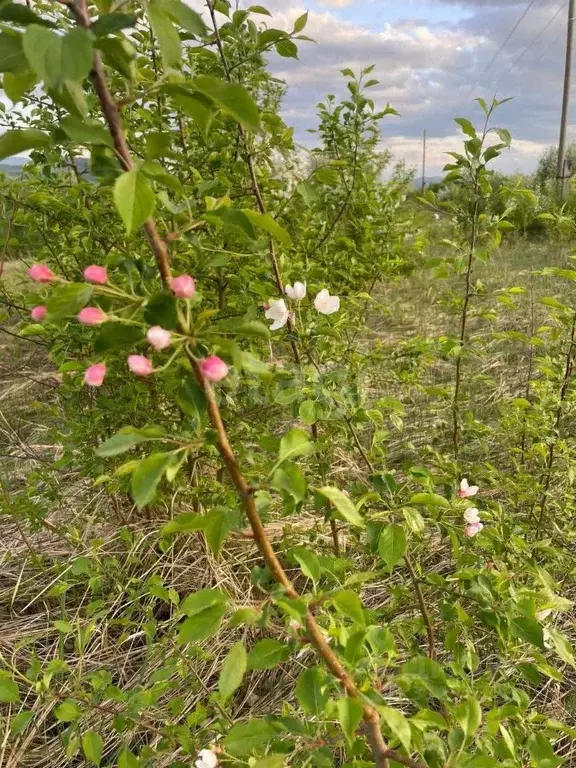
<point>335,3</point>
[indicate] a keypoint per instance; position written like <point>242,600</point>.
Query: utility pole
<point>424,157</point>
<point>561,167</point>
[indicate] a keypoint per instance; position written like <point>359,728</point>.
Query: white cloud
<point>335,3</point>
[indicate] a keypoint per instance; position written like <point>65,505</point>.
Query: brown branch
<point>371,718</point>
<point>422,606</point>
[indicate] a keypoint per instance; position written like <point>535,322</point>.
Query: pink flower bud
<point>38,314</point>
<point>94,375</point>
<point>472,530</point>
<point>41,273</point>
<point>140,365</point>
<point>159,337</point>
<point>96,274</point>
<point>92,316</point>
<point>214,368</point>
<point>183,287</point>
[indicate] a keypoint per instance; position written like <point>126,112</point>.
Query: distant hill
<point>13,168</point>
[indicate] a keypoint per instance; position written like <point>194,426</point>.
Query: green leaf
<point>189,19</point>
<point>194,104</point>
<point>294,443</point>
<point>14,142</point>
<point>68,299</point>
<point>392,544</point>
<point>268,224</point>
<point>119,54</point>
<point>233,671</point>
<point>196,602</point>
<point>562,646</point>
<point>398,724</point>
<point>77,55</point>
<point>234,99</point>
<point>161,309</point>
<point>147,475</point>
<point>16,84</point>
<point>469,716</point>
<point>259,9</point>
<point>114,335</point>
<point>12,58</point>
<point>165,32</point>
<point>245,738</point>
<point>20,722</point>
<point>127,759</point>
<point>286,48</point>
<point>343,504</point>
<point>348,603</point>
<point>267,654</point>
<point>9,693</point>
<point>309,692</point>
<point>289,479</point>
<point>528,630</point>
<point>108,23</point>
<point>86,131</point>
<point>202,625</point>
<point>217,525</point>
<point>429,499</point>
<point>134,199</point>
<point>253,328</point>
<point>68,711</point>
<point>349,716</point>
<point>153,170</point>
<point>187,522</point>
<point>127,438</point>
<point>466,126</point>
<point>92,745</point>
<point>63,626</point>
<point>271,761</point>
<point>427,672</point>
<point>300,22</point>
<point>22,15</point>
<point>308,562</point>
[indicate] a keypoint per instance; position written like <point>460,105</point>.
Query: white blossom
<point>472,516</point>
<point>206,759</point>
<point>297,291</point>
<point>326,304</point>
<point>278,312</point>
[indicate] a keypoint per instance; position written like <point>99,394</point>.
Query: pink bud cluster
<point>183,287</point>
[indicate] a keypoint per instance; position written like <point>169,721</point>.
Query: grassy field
<point>410,317</point>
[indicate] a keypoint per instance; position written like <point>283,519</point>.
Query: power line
<point>514,28</point>
<point>535,39</point>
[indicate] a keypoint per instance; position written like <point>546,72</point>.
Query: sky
<point>432,58</point>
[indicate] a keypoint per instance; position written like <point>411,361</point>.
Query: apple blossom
<point>183,287</point>
<point>92,316</point>
<point>467,490</point>
<point>278,312</point>
<point>326,304</point>
<point>296,292</point>
<point>472,530</point>
<point>206,759</point>
<point>140,365</point>
<point>214,368</point>
<point>94,375</point>
<point>38,313</point>
<point>96,274</point>
<point>158,337</point>
<point>472,516</point>
<point>41,273</point>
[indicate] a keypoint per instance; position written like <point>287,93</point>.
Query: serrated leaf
<point>68,299</point>
<point>233,98</point>
<point>343,504</point>
<point>268,224</point>
<point>466,126</point>
<point>165,32</point>
<point>93,745</point>
<point>429,499</point>
<point>188,18</point>
<point>14,142</point>
<point>16,84</point>
<point>425,672</point>
<point>12,58</point>
<point>127,438</point>
<point>348,603</point>
<point>528,630</point>
<point>68,711</point>
<point>469,716</point>
<point>267,654</point>
<point>20,722</point>
<point>86,131</point>
<point>244,738</point>
<point>233,671</point>
<point>294,443</point>
<point>201,625</point>
<point>398,724</point>
<point>308,562</point>
<point>134,198</point>
<point>563,647</point>
<point>9,693</point>
<point>286,48</point>
<point>349,716</point>
<point>147,476</point>
<point>392,544</point>
<point>217,525</point>
<point>309,692</point>
<point>127,759</point>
